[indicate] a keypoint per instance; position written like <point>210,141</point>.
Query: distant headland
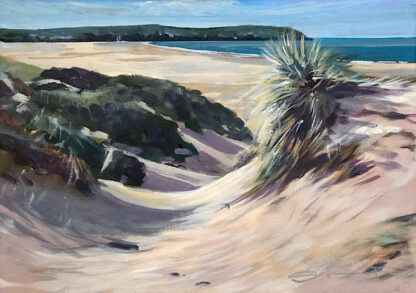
<point>151,32</point>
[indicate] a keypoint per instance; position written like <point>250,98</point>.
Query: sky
<point>316,18</point>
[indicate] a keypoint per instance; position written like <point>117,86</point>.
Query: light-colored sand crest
<point>217,193</point>
<point>308,231</point>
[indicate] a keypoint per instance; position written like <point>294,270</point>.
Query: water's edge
<point>373,50</point>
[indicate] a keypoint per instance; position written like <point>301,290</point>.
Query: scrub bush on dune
<point>294,107</point>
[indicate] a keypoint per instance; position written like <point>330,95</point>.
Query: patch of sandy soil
<point>354,236</point>
<point>216,153</point>
<point>404,70</point>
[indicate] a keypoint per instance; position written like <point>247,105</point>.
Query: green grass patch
<point>20,70</point>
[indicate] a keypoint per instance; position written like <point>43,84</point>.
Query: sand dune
<point>354,236</point>
<point>219,192</point>
<point>310,236</point>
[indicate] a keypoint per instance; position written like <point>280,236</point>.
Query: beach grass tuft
<point>294,107</point>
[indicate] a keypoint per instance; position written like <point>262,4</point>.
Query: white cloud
<point>189,6</point>
<point>87,8</point>
<point>184,9</point>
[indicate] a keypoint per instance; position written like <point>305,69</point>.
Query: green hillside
<point>152,32</point>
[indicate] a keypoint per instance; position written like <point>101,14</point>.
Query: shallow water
<point>382,49</point>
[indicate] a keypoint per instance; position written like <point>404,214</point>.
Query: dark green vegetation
<point>296,108</point>
<point>150,32</point>
<point>134,110</point>
<point>102,124</point>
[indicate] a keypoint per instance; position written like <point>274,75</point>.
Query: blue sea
<point>381,49</point>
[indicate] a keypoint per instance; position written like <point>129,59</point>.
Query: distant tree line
<point>146,33</point>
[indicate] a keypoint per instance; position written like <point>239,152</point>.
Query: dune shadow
<point>371,96</point>
<point>87,220</point>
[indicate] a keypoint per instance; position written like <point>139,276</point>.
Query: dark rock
<point>395,115</point>
<point>203,283</point>
<point>124,168</point>
<point>123,245</point>
<point>175,274</point>
<point>378,267</point>
<point>395,254</point>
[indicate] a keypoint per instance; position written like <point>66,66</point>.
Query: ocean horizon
<point>355,49</point>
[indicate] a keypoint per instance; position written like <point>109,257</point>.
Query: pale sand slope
<point>226,78</point>
<point>311,237</point>
<point>216,155</point>
<point>405,70</point>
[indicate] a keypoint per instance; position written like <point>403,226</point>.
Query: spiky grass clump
<point>294,107</point>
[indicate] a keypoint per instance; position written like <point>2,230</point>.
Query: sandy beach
<point>207,146</point>
<point>222,77</point>
<point>377,70</point>
<point>311,236</point>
